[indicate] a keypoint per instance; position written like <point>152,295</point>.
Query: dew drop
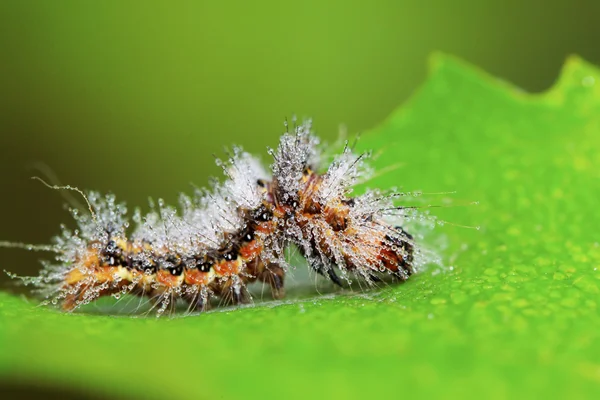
<point>588,81</point>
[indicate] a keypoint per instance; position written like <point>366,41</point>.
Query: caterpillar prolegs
<point>221,239</point>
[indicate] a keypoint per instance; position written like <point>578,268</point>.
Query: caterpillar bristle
<point>222,239</point>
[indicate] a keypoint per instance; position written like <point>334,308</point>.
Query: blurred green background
<point>135,97</point>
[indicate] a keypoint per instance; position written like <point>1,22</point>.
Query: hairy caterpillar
<point>235,233</point>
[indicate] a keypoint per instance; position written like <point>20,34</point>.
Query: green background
<point>135,98</point>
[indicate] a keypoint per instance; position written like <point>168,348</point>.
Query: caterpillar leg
<point>231,291</point>
<point>198,298</point>
<point>269,273</point>
<point>162,300</point>
<point>273,275</point>
<point>329,272</point>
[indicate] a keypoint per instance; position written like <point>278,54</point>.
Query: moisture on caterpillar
<point>223,238</point>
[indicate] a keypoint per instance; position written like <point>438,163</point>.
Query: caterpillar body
<point>223,238</point>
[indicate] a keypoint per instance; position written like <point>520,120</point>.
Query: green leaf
<point>516,316</point>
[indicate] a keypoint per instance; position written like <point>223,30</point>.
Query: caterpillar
<point>221,239</point>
